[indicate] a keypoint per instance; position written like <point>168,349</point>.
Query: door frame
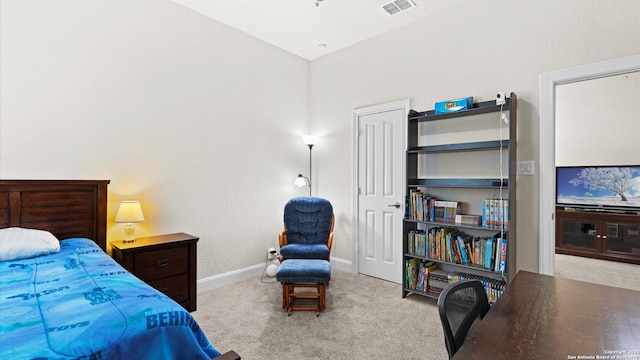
<point>547,155</point>
<point>403,105</point>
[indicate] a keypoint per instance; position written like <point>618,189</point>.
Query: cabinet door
<point>577,234</point>
<point>620,237</point>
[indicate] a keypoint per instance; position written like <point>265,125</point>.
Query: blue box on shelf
<point>449,106</point>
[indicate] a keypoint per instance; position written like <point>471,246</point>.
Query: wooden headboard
<point>66,208</point>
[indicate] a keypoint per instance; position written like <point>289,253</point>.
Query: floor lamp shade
<point>301,181</point>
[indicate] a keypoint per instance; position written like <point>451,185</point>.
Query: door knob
<point>396,205</point>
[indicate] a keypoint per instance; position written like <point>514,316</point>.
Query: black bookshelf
<point>414,155</point>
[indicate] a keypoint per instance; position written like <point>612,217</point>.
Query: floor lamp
<point>301,180</point>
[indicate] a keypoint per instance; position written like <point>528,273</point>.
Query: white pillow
<point>20,243</point>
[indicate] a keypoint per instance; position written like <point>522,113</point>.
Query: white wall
<point>474,49</point>
<point>598,121</point>
<point>201,122</point>
<point>198,121</point>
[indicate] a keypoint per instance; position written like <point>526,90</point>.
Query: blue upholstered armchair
<point>308,229</point>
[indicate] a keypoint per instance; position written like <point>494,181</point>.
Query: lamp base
<point>129,233</point>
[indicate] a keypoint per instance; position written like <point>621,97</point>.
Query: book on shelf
<point>493,287</point>
<point>423,275</point>
<point>495,213</point>
<point>411,273</point>
<point>464,245</point>
<point>439,243</point>
<point>418,206</point>
<point>465,219</point>
<point>417,274</point>
<point>420,281</point>
<point>502,263</point>
<point>439,279</point>
<point>488,253</point>
<point>407,207</point>
<point>450,245</point>
<point>446,211</point>
<point>417,243</point>
<point>505,217</point>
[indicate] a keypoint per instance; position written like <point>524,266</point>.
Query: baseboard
<point>344,265</point>
<point>235,276</point>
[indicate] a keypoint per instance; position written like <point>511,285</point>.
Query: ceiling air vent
<point>398,6</point>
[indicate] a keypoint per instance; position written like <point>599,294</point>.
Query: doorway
<point>379,189</point>
<point>548,83</point>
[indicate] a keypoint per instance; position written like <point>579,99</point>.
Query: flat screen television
<point>605,187</point>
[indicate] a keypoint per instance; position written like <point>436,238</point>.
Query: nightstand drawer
<point>158,264</point>
<point>166,262</point>
<point>176,287</point>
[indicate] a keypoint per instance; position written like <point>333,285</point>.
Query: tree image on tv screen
<point>618,180</point>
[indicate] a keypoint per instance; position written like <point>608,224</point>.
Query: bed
<point>63,297</point>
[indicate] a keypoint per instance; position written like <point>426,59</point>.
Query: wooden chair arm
<point>330,241</point>
<point>229,355</point>
<point>282,238</point>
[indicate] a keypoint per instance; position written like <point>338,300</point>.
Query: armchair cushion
<point>308,220</point>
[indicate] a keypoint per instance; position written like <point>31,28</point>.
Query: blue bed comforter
<point>80,304</point>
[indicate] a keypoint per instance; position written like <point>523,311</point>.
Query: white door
<point>380,183</point>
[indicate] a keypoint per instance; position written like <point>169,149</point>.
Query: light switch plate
<point>526,167</point>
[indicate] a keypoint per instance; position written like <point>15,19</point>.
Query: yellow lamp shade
<point>129,211</point>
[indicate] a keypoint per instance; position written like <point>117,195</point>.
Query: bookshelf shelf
<point>440,223</point>
<point>480,145</point>
<point>478,108</point>
<point>433,260</point>
<point>458,183</point>
<point>459,266</point>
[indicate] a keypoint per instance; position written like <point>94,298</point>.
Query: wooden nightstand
<point>166,262</point>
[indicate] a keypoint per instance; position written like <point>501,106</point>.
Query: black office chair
<point>460,305</point>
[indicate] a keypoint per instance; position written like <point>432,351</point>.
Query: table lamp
<point>129,212</point>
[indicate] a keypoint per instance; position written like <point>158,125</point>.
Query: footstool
<point>304,274</point>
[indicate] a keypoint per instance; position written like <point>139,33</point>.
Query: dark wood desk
<point>547,317</point>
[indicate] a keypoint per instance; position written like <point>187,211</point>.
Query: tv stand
<point>597,233</point>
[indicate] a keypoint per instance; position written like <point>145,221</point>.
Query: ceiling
<point>299,26</point>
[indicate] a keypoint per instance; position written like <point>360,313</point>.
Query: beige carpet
<point>365,318</point>
<point>597,271</point>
